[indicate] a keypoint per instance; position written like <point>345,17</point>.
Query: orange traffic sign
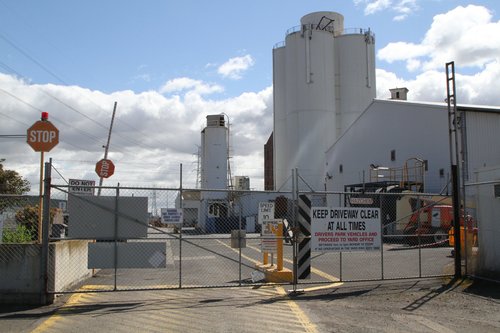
<point>43,136</point>
<point>105,168</point>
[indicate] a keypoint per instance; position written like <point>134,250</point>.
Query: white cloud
<point>402,8</point>
<point>185,83</point>
<point>375,6</point>
<point>234,67</point>
<point>479,88</point>
<point>152,134</point>
<point>466,35</point>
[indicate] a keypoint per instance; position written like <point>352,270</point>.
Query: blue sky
<point>170,63</point>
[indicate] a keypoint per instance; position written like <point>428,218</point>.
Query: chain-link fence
<point>19,218</point>
<point>132,238</point>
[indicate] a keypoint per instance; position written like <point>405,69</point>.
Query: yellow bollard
<point>279,247</point>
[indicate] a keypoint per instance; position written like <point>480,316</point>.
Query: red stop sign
<point>42,136</point>
<point>105,168</point>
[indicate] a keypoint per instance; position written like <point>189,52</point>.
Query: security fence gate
<point>131,238</point>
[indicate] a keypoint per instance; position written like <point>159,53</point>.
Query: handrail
<point>306,27</point>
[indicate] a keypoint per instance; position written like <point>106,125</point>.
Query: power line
<point>20,50</point>
<point>38,63</point>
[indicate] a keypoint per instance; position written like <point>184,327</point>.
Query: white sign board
<point>266,211</point>
<point>171,215</point>
<point>269,241</point>
<point>345,229</point>
<point>75,186</point>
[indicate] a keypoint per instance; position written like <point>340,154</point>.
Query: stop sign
<point>43,136</point>
<point>105,168</point>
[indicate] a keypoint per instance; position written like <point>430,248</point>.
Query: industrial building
<point>331,128</point>
<point>329,125</point>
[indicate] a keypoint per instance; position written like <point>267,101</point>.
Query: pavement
<point>425,305</point>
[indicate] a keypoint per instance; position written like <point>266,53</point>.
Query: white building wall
<point>488,211</point>
<point>413,130</point>
<point>482,136</point>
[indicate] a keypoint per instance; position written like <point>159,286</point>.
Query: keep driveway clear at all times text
<point>345,229</point>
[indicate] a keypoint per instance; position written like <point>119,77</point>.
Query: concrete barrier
<point>21,280</point>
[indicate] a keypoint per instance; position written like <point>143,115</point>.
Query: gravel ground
<point>433,305</point>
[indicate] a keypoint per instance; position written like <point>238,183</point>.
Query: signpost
<point>269,235</point>
<point>42,136</point>
<point>266,213</point>
<point>105,168</point>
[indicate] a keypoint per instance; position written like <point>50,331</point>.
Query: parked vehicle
<point>434,223</point>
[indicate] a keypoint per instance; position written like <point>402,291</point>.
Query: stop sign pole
<point>42,136</point>
<point>106,148</point>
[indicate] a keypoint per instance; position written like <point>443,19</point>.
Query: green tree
<point>11,182</point>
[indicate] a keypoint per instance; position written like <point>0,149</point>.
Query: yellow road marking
<point>301,316</point>
<point>52,320</point>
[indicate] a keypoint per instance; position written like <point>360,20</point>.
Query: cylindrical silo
<point>326,79</point>
<point>356,69</point>
<point>310,95</point>
<point>214,156</point>
<point>279,118</point>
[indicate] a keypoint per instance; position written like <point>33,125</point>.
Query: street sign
<point>345,229</point>
<point>269,242</point>
<point>266,212</point>
<point>171,215</point>
<point>105,168</point>
<point>42,136</point>
<point>77,186</point>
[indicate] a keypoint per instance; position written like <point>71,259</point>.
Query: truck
<point>433,222</point>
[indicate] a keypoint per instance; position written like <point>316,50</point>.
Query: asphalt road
<point>428,305</point>
<point>421,305</point>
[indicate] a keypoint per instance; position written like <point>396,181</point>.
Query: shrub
<point>19,235</point>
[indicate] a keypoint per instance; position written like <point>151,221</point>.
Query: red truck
<point>434,222</point>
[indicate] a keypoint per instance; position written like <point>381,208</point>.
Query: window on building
<point>441,173</point>
<point>393,155</point>
<point>341,168</point>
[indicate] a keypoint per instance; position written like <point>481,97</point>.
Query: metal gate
<point>129,238</point>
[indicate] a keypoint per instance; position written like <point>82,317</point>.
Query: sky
<point>169,64</point>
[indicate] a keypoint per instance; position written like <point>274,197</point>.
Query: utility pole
<point>106,147</point>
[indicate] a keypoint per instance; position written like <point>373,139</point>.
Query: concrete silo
<point>214,173</point>
<point>323,77</point>
<point>214,156</point>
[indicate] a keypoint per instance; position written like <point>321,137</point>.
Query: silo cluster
<point>323,78</point>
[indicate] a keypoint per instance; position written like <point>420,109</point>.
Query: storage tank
<point>214,156</point>
<point>280,169</point>
<point>356,72</point>
<point>324,89</point>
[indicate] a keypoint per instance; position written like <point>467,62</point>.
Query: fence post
<point>381,197</point>
<point>180,230</point>
<point>456,220</point>
<point>44,298</point>
<point>116,235</point>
